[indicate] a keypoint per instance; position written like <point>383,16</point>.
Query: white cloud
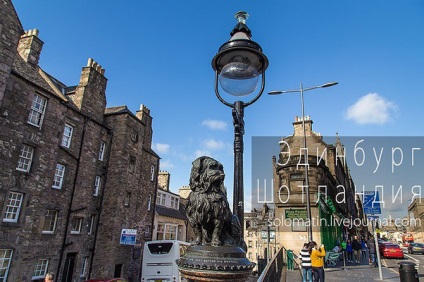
<point>161,148</point>
<point>372,109</point>
<point>212,144</point>
<point>166,164</point>
<point>215,124</point>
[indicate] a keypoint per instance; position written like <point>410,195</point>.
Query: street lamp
<point>301,90</point>
<point>238,65</point>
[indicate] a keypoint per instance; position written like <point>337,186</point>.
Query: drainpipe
<point>62,249</point>
<point>102,195</point>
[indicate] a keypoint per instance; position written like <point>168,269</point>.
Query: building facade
<point>260,237</point>
<point>331,190</point>
<point>415,219</point>
<point>73,174</point>
<point>170,221</point>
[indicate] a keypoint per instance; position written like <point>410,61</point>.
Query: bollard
<point>407,272</point>
<point>290,260</point>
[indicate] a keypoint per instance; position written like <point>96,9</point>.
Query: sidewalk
<point>352,272</point>
<point>359,272</point>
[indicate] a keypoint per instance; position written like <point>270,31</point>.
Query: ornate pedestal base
<point>207,263</point>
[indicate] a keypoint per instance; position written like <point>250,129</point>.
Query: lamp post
<point>238,65</point>
<point>301,90</point>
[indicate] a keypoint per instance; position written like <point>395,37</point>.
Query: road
<point>393,264</point>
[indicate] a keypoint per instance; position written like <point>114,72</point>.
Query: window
<point>147,231</point>
<point>97,185</point>
<point>40,269</point>
<point>134,136</point>
<point>132,164</point>
<point>296,176</point>
<point>149,202</point>
<point>25,158</point>
<point>76,225</point>
<point>127,199</point>
<point>58,176</point>
<point>50,221</point>
<point>167,232</point>
<point>161,199</point>
<point>67,136</point>
<point>152,173</point>
<point>170,232</point>
<point>13,207</point>
<point>83,267</point>
<point>102,150</point>
<point>5,259</point>
<point>174,203</point>
<point>160,231</point>
<point>92,222</point>
<point>38,107</point>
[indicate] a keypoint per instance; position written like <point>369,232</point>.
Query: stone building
<point>73,173</point>
<point>415,219</point>
<point>260,237</point>
<point>331,189</point>
<point>170,221</point>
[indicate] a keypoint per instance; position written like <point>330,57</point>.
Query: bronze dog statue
<point>207,209</point>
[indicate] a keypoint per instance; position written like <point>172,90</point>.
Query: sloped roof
<point>164,211</point>
<point>36,76</point>
<point>117,110</point>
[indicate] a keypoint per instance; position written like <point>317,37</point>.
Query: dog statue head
<point>207,175</point>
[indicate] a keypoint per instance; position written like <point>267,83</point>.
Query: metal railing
<point>274,270</point>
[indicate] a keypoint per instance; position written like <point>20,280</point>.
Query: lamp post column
<point>238,194</point>
<point>306,171</point>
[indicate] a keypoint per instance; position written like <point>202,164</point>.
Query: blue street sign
<point>128,236</point>
<point>371,203</point>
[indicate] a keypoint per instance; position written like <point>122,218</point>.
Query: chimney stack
<point>30,46</point>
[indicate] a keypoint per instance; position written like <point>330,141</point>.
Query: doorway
<point>68,269</point>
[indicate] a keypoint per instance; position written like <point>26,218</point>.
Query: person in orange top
<point>317,261</point>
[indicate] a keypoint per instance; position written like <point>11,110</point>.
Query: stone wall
<point>128,171</point>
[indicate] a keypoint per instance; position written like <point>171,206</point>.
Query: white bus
<point>159,260</point>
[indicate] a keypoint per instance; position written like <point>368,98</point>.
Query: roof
<point>164,211</point>
<point>117,110</point>
<point>37,76</point>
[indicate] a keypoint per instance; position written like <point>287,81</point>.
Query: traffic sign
<point>128,236</point>
<point>371,203</point>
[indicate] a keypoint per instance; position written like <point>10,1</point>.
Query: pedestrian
<point>49,277</point>
<point>305,258</point>
<point>364,248</point>
<point>317,261</point>
<point>343,246</point>
<point>357,249</point>
<point>372,252</point>
<point>349,250</point>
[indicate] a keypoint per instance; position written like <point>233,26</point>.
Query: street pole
<point>238,194</point>
<point>237,65</point>
<point>377,249</point>
<point>306,173</point>
<point>306,169</point>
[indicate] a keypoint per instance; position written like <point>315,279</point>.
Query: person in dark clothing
<point>372,250</point>
<point>305,258</point>
<point>357,249</point>
<point>349,250</point>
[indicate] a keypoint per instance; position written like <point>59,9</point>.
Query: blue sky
<point>158,53</point>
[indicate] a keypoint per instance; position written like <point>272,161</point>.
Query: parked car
<point>416,248</point>
<point>107,280</point>
<point>390,250</point>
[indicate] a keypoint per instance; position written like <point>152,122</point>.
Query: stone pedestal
<point>207,263</point>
